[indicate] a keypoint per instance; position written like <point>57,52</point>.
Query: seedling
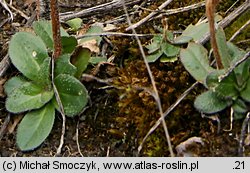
<point>167,48</point>
<point>32,91</point>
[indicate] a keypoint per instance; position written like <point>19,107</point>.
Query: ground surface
<point>114,126</point>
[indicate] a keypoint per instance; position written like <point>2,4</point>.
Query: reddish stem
<point>56,28</point>
<point>210,11</point>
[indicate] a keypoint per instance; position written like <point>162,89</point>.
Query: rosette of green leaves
<point>223,90</point>
<point>33,92</point>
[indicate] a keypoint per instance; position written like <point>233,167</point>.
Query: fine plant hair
<point>210,11</point>
<point>155,93</point>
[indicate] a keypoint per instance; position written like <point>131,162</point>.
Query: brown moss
<point>138,107</point>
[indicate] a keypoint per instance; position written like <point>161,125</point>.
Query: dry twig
<point>162,6</point>
<point>107,7</point>
<point>155,93</point>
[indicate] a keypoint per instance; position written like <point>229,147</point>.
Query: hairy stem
<point>56,28</point>
<point>210,11</point>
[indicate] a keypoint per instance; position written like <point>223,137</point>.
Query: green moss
<point>236,26</point>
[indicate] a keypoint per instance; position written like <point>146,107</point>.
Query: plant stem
<point>210,11</point>
<point>57,52</point>
<point>56,28</point>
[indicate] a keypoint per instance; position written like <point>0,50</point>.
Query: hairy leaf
<point>13,83</point>
<point>245,93</point>
<point>153,57</point>
<point>193,31</point>
<point>72,93</point>
<point>223,49</point>
<point>209,103</point>
<point>35,127</point>
<point>227,88</point>
<point>27,53</point>
<point>44,30</point>
<point>28,96</point>
<point>64,66</point>
<point>195,60</point>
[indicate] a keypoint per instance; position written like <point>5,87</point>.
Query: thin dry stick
<point>162,6</point>
<point>242,135</point>
<point>77,138</point>
<point>4,4</point>
<point>224,23</point>
<point>230,70</point>
<point>156,94</point>
<point>61,109</point>
<point>107,7</point>
<point>168,111</point>
<point>115,34</point>
<point>4,65</point>
<point>181,9</point>
<point>239,31</point>
<point>20,12</point>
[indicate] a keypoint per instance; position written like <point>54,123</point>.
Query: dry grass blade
<point>155,91</point>
<point>166,113</point>
<point>240,30</point>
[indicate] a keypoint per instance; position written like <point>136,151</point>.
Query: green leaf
<point>240,109</point>
<point>93,30</point>
<point>209,103</point>
<point>193,31</point>
<point>195,60</point>
<point>245,94</point>
<point>75,23</point>
<point>44,30</point>
<point>69,44</point>
<point>72,93</point>
<point>170,50</point>
<point>63,66</point>
<point>239,106</point>
<point>155,44</point>
<point>182,40</point>
<point>223,49</point>
<point>241,71</point>
<point>97,59</point>
<point>27,52</point>
<point>43,78</point>
<point>235,52</point>
<point>35,127</point>
<point>81,61</point>
<point>27,96</point>
<point>13,83</point>
<point>164,58</point>
<point>225,88</point>
<point>155,56</point>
